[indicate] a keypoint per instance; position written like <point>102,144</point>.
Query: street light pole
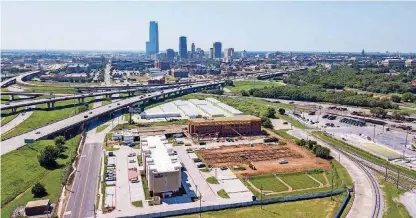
<point>261,196</point>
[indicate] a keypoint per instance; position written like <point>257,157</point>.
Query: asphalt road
<point>84,190</point>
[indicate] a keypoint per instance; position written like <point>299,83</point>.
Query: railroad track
<point>374,184</point>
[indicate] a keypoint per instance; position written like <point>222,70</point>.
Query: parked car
<point>283,162</point>
<point>201,165</point>
<point>110,153</point>
<point>134,181</point>
<point>224,168</point>
<point>132,161</point>
<point>132,155</point>
<point>86,116</point>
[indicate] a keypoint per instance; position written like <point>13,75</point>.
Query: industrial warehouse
<point>193,108</point>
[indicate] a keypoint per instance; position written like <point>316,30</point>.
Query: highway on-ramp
<point>18,141</point>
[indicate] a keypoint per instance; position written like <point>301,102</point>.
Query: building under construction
<point>224,126</point>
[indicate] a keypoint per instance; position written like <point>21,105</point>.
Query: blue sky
<point>253,26</point>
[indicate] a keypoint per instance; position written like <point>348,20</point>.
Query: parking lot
<point>385,143</point>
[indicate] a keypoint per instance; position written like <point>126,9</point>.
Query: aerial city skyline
<point>152,48</point>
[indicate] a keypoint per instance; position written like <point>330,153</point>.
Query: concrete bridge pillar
<point>12,97</point>
<point>51,104</point>
<point>14,110</point>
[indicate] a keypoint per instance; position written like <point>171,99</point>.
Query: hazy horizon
<point>252,26</point>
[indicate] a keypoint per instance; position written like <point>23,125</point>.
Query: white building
<point>162,167</point>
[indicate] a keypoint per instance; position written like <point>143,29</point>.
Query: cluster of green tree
<point>406,97</point>
<point>314,147</point>
<point>318,94</point>
<point>265,119</point>
<point>47,157</point>
<point>372,80</point>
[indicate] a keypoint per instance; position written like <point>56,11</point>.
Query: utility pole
<point>261,196</point>
<point>405,144</point>
<point>385,176</point>
<point>374,134</point>
<point>332,186</point>
<point>200,205</point>
<point>95,213</point>
<point>398,177</point>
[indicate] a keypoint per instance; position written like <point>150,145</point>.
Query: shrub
<point>270,112</point>
<point>322,152</point>
<point>267,123</point>
<point>282,143</point>
<point>301,142</point>
<point>282,111</point>
<point>60,143</point>
<point>396,98</point>
<point>39,190</point>
<point>48,156</point>
<point>244,93</point>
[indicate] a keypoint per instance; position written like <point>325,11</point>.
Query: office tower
<point>229,53</point>
<point>211,53</point>
<point>201,53</point>
<point>363,53</point>
<point>217,49</point>
<point>243,54</point>
<point>152,46</point>
<point>170,54</point>
<point>183,48</point>
<point>193,48</point>
<point>198,50</point>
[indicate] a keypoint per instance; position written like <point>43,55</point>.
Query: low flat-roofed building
<point>162,167</point>
<point>38,207</point>
<point>225,126</point>
<point>394,62</point>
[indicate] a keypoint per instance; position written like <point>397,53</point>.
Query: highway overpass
<point>22,77</point>
<point>59,126</point>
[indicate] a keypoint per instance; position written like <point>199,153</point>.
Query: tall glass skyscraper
<point>217,50</point>
<point>183,48</point>
<point>152,46</point>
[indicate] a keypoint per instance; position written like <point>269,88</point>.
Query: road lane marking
<point>85,184</point>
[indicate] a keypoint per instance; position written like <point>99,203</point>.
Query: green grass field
<point>101,128</point>
<point>319,177</point>
<point>137,203</point>
<point>251,84</point>
<point>40,118</point>
<point>21,170</point>
<point>7,115</point>
<point>53,89</point>
<point>391,195</point>
<point>316,208</point>
<point>269,182</point>
<point>298,181</point>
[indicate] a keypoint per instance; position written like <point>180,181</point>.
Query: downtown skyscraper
<point>152,46</point>
<point>183,47</point>
<point>217,49</point>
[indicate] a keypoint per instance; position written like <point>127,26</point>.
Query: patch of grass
<point>391,196</point>
<point>139,159</point>
<point>104,184</point>
<point>362,153</point>
<point>41,116</point>
<point>222,193</point>
<point>205,170</point>
<point>250,84</point>
<point>101,128</point>
<point>8,115</point>
<point>269,183</point>
<point>212,180</point>
<point>146,190</point>
<point>137,203</point>
<point>298,181</point>
<point>283,133</point>
<point>106,101</point>
<point>162,123</point>
<point>293,121</point>
<point>319,177</point>
<point>21,170</point>
<point>53,89</point>
<point>321,207</point>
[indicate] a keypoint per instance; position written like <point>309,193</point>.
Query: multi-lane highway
<point>18,141</point>
<point>19,78</point>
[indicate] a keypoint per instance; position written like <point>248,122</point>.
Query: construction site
<point>260,158</point>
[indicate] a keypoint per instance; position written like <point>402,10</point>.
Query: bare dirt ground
<point>265,158</point>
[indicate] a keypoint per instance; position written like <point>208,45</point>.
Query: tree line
<point>372,80</point>
<point>316,93</point>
